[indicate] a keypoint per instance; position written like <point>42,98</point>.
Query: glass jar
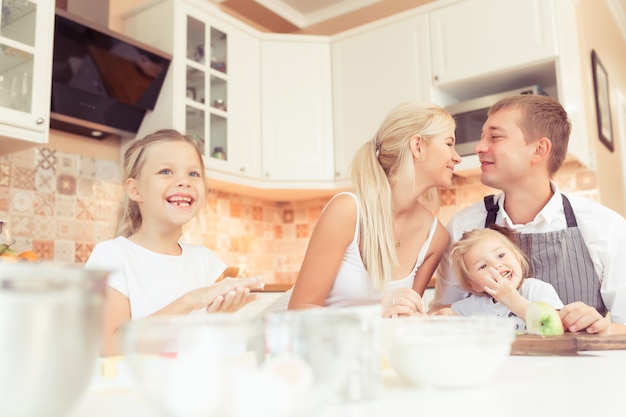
<point>218,153</point>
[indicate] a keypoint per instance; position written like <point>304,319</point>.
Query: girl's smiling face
<point>491,252</point>
<point>170,188</point>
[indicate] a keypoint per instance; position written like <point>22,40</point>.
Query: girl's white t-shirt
<point>152,280</point>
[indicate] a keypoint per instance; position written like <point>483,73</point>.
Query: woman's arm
<point>331,237</point>
<point>426,271</point>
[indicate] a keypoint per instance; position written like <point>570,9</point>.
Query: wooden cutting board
<point>568,344</point>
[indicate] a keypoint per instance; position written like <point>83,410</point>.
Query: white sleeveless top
<point>353,285</point>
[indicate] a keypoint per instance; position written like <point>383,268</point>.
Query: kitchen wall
<point>60,203</point>
<point>599,31</point>
<point>60,199</point>
<point>602,27</point>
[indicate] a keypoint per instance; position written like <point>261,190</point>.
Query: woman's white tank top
<point>353,285</point>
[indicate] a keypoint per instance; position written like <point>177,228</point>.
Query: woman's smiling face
<point>492,252</point>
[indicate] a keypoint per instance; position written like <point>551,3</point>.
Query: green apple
<point>543,319</point>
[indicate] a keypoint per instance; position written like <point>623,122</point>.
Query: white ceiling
<point>618,9</point>
<point>304,13</point>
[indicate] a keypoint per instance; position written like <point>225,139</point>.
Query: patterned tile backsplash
<point>60,205</point>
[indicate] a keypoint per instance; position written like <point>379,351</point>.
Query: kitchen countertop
<point>590,383</point>
<point>274,288</point>
<point>280,287</point>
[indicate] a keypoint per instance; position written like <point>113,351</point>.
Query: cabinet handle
<point>337,174</point>
<point>267,173</point>
<point>436,78</point>
<point>242,169</point>
<point>39,120</point>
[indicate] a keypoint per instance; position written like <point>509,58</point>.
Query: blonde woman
<point>380,243</point>
<point>153,272</point>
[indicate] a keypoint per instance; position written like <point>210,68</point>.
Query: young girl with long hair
<point>153,272</point>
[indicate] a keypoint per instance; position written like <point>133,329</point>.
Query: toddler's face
<point>491,252</point>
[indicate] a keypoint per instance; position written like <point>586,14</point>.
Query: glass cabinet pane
<point>195,126</point>
<point>195,85</point>
<point>16,79</point>
<point>195,40</point>
<point>219,135</point>
<point>207,87</point>
<point>218,50</point>
<point>219,100</point>
<point>17,32</point>
<point>18,21</point>
<point>218,129</point>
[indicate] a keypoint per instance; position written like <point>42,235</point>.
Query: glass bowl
<point>447,352</point>
<point>342,346</point>
<point>214,365</point>
<point>51,326</point>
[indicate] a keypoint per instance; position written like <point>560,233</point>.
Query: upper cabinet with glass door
<point>207,88</point>
<point>212,89</point>
<point>25,72</point>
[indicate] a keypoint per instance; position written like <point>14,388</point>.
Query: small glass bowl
<point>445,351</point>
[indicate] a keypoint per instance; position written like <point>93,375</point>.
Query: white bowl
<point>448,352</point>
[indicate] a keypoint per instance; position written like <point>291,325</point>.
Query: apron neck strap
<point>492,211</point>
<point>569,213</point>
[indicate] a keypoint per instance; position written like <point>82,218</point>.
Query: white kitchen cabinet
<point>295,108</point>
<point>481,47</point>
<point>25,73</point>
<point>212,90</point>
<point>297,133</point>
<point>481,38</point>
<point>245,104</point>
<point>374,69</point>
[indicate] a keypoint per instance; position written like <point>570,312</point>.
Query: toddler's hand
<point>500,288</point>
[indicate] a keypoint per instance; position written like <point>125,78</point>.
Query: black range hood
<point>103,82</point>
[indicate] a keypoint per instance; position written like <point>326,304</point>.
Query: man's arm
<point>578,316</point>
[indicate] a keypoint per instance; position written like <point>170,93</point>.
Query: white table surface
<point>589,384</point>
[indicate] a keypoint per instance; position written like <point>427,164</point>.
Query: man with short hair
<point>577,245</point>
